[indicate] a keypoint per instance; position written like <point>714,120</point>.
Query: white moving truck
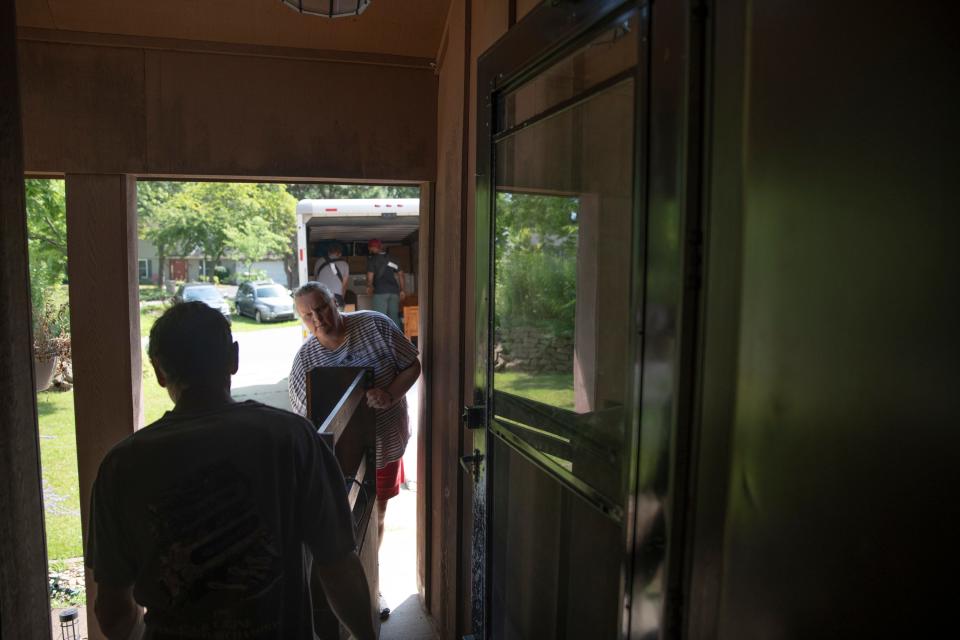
<point>352,222</point>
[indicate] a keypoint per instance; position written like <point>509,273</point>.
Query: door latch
<point>474,416</point>
<point>471,464</point>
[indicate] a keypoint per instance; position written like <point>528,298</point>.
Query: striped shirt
<point>372,341</point>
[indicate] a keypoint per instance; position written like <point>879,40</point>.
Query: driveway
<point>265,359</point>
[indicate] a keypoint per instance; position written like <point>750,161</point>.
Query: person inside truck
<point>385,282</point>
<point>334,272</point>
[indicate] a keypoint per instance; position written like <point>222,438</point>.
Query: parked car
<point>264,301</point>
<point>202,292</point>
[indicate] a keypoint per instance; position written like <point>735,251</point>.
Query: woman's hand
<point>380,398</point>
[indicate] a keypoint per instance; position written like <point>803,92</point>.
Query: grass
<point>61,489</point>
<point>243,323</point>
<point>58,458</point>
<point>555,389</point>
<point>149,315</point>
<point>151,293</point>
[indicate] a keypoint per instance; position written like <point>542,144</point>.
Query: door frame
<point>544,36</point>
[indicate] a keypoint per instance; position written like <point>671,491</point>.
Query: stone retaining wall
<point>534,350</point>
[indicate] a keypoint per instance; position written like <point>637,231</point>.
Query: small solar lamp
<point>69,624</point>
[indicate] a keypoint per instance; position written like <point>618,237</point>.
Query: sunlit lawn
<point>151,292</point>
<point>149,315</point>
<point>549,388</point>
<point>58,457</point>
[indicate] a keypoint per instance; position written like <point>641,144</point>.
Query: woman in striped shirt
<point>360,339</point>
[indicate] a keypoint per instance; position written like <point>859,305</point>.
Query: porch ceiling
<point>391,27</point>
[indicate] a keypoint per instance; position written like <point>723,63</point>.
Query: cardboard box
<point>401,255</point>
<point>358,264</point>
<point>364,302</point>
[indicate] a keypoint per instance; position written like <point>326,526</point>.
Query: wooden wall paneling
<point>83,108</point>
<point>424,428</point>
<point>247,115</point>
<point>446,294</point>
<point>24,605</point>
<point>137,109</point>
<point>105,324</point>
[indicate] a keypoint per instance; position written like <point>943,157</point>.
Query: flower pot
<point>43,368</point>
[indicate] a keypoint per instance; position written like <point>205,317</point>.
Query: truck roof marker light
<point>331,209</point>
<point>399,205</point>
<point>301,255</point>
<point>389,205</point>
<point>376,205</point>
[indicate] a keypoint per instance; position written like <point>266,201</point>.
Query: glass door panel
<point>562,281</point>
<point>558,237</point>
<point>608,56</point>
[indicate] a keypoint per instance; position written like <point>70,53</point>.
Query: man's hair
<point>192,344</point>
<point>335,246</point>
<point>310,287</point>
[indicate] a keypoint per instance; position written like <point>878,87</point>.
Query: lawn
<point>150,292</point>
<point>555,389</point>
<point>149,315</point>
<point>58,459</point>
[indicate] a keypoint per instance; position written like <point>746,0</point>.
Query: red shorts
<point>389,479</point>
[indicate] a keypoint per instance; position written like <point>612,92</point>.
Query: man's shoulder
<point>251,413</point>
<point>270,417</point>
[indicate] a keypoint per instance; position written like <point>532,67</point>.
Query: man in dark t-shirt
<point>385,282</point>
<point>209,516</point>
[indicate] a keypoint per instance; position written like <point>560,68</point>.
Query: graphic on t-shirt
<point>214,549</point>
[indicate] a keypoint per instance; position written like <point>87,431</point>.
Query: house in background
<point>193,267</point>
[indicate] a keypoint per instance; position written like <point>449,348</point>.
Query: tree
<point>255,240</point>
<point>335,191</point>
<point>535,261</point>
<point>46,238</point>
<point>182,217</point>
<point>162,224</point>
<point>220,207</point>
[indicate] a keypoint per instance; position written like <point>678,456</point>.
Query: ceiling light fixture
<point>328,8</point>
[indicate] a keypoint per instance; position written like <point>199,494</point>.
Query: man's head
<point>317,308</point>
<point>191,346</point>
<point>375,246</point>
<point>334,250</point>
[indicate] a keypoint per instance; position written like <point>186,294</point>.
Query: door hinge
<point>471,464</point>
<point>474,417</point>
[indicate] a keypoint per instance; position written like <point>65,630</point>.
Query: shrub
<point>537,289</point>
<point>250,276</point>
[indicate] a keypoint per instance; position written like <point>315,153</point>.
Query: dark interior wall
<point>834,275</point>
<point>24,605</point>
<point>139,109</point>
